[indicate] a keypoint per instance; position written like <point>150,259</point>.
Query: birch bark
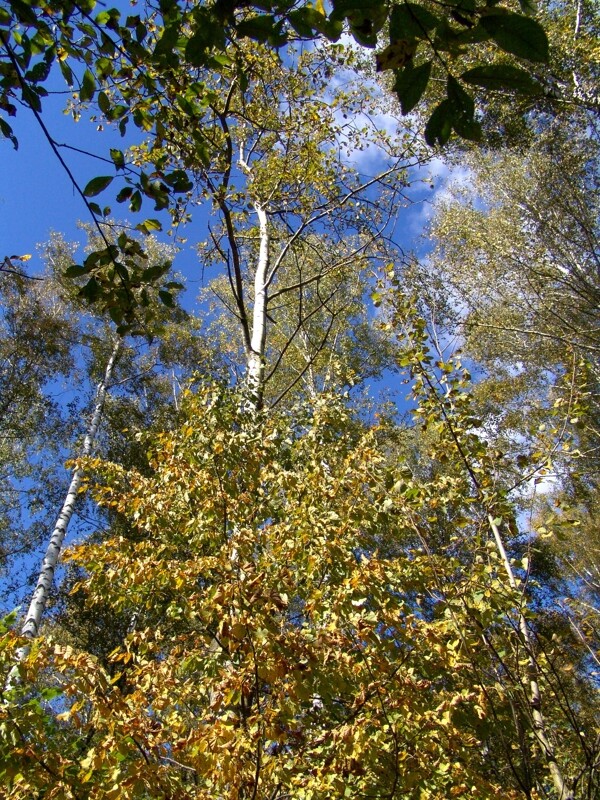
<point>535,697</point>
<point>255,367</point>
<point>39,598</point>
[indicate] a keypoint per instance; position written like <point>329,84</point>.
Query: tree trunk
<point>40,595</point>
<point>535,697</point>
<point>255,365</point>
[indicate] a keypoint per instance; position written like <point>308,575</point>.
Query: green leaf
<point>502,76</point>
<point>167,298</point>
<point>76,271</point>
<point>410,84</point>
<point>156,271</point>
<point>136,201</point>
<point>262,28</point>
<point>307,20</point>
<point>439,126</point>
<point>124,194</point>
<point>343,8</point>
<point>104,102</point>
<point>179,181</point>
<point>468,128</point>
<point>92,291</point>
<point>67,72</point>
<point>121,270</point>
<point>411,21</point>
<point>365,21</point>
<point>116,314</point>
<point>97,185</point>
<point>528,7</point>
<point>118,158</point>
<point>7,132</point>
<point>88,86</point>
<point>149,225</point>
<point>198,47</point>
<point>462,104</point>
<point>519,35</point>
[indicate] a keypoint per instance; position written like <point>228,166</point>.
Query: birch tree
<point>36,353</point>
<point>282,172</point>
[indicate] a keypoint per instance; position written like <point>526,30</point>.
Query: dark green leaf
<point>167,298</point>
<point>124,194</point>
<point>116,314</point>
<point>7,132</point>
<point>103,102</point>
<point>263,28</point>
<point>519,35</point>
<point>464,6</point>
<point>136,201</point>
<point>342,8</point>
<point>118,158</point>
<point>528,7</point>
<point>157,271</point>
<point>66,72</point>
<point>97,185</point>
<point>76,271</point>
<point>121,270</point>
<point>23,12</point>
<point>461,102</point>
<point>198,47</point>
<point>467,128</point>
<point>179,181</point>
<point>502,76</point>
<point>439,126</point>
<point>410,85</point>
<point>88,86</point>
<point>31,98</point>
<point>410,21</point>
<point>307,20</point>
<point>92,291</point>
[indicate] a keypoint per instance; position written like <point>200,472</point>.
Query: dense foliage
<point>273,581</point>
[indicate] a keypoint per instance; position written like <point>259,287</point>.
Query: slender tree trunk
<point>40,595</point>
<point>535,697</point>
<point>255,366</point>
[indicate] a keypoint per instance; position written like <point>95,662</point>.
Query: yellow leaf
<point>396,55</point>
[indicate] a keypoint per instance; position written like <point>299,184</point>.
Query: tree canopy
<point>261,577</point>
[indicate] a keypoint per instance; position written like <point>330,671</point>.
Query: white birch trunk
<point>40,595</point>
<point>535,697</point>
<point>255,366</point>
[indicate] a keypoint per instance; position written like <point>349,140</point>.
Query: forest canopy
<point>265,571</point>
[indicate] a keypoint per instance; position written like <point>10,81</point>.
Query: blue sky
<point>37,196</point>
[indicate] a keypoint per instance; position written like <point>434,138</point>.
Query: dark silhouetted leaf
<point>410,85</point>
<point>118,158</point>
<point>519,35</point>
<point>97,185</point>
<point>439,126</point>
<point>410,21</point>
<point>88,86</point>
<point>502,76</point>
